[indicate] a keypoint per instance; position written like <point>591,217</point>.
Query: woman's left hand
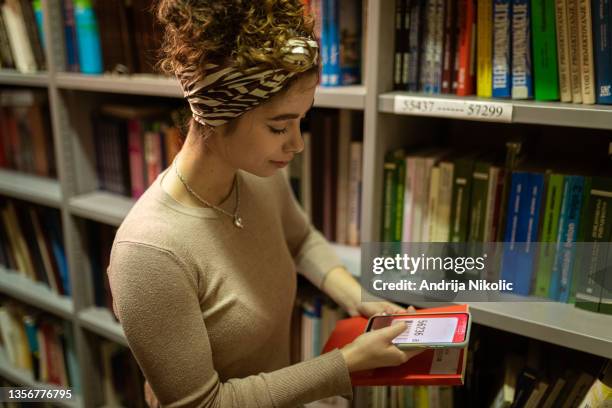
<point>369,309</point>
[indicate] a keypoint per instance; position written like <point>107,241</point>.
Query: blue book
<point>88,38</point>
<point>70,37</point>
<point>602,36</point>
<point>522,78</point>
<point>57,247</point>
<point>514,232</point>
<point>502,76</point>
<point>334,42</point>
<point>325,69</point>
<point>529,218</point>
<point>561,277</point>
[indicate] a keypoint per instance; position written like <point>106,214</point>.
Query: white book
<point>445,196</point>
<point>18,37</point>
<point>9,337</point>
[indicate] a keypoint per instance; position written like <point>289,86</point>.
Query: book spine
<point>602,31</point>
<point>349,42</point>
<point>484,44</point>
<point>480,185</point>
<point>552,209</point>
<point>529,248</point>
<point>465,80</point>
<point>566,236</point>
<point>502,15</point>
<point>389,199</point>
<point>400,6</point>
<point>323,16</point>
<point>598,228</point>
<point>136,154</point>
<point>354,203</point>
<point>418,200</point>
<point>408,208</point>
<point>400,177</point>
<point>563,50</point>
<point>417,8</point>
<point>18,37</point>
<point>545,69</point>
<point>438,47</point>
<point>449,46</point>
<point>334,42</point>
<point>522,87</point>
<point>488,234</point>
<point>405,44</point>
<point>518,188</point>
<point>429,228</point>
<point>426,81</point>
<point>88,38</point>
<point>574,46</point>
<point>445,195</point>
<point>462,184</point>
<point>580,237</point>
<point>585,41</point>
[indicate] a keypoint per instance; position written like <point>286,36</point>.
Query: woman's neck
<point>208,176</point>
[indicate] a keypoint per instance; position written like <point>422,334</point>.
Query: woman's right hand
<point>374,349</point>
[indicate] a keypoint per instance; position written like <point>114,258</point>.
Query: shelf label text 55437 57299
<point>490,111</point>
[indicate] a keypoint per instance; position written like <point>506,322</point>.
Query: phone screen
<point>427,329</point>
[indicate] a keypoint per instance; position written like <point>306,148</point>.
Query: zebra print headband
<point>224,93</point>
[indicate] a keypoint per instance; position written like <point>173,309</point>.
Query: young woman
<point>203,268</point>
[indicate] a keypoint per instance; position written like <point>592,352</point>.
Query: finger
<point>411,309</point>
<point>392,331</point>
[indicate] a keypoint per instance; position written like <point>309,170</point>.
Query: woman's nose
<point>295,144</point>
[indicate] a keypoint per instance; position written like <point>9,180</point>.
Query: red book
<point>433,367</point>
<point>465,76</point>
<point>136,154</point>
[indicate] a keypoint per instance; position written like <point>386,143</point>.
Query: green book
<point>596,228</point>
<point>478,203</point>
<point>548,236</point>
<point>460,211</point>
<point>545,70</point>
<point>400,185</point>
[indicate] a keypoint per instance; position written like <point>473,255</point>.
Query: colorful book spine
<point>334,41</point>
<point>88,38</point>
<point>574,47</point>
<point>585,41</point>
<point>70,37</point>
<point>522,86</point>
<point>560,282</point>
<point>484,45</point>
<point>531,218</point>
<point>136,154</point>
<point>427,78</point>
<point>602,33</point>
<point>325,50</point>
<point>408,208</point>
<point>414,43</point>
<point>449,46</point>
<point>349,42</point>
<point>550,228</point>
<point>389,199</point>
<point>517,199</point>
<point>405,46</point>
<point>465,79</point>
<point>563,50</point>
<point>502,76</point>
<point>545,69</point>
<point>438,48</point>
<point>38,14</point>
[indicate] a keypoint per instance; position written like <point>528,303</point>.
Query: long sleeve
<point>313,255</point>
<point>157,300</point>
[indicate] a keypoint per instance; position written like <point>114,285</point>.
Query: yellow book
<point>484,49</point>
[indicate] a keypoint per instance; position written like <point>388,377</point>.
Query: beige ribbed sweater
<point>206,307</point>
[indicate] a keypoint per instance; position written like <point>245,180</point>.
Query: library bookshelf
<point>386,126</point>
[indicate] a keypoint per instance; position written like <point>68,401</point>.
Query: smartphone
<point>427,330</point>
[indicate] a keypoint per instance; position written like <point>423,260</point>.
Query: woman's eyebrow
<point>286,116</point>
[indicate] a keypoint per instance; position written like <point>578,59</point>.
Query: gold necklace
<point>237,219</point>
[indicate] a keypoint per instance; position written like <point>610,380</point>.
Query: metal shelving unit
<point>348,97</point>
<point>530,112</point>
<point>74,193</point>
<point>32,188</point>
<point>36,294</point>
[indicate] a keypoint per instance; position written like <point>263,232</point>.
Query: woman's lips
<point>279,164</point>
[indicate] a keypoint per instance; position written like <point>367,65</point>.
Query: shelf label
<point>453,108</point>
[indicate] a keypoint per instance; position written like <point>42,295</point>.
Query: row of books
<point>100,239</point>
<point>116,36</point>
<point>519,49</point>
<point>420,396</point>
<point>338,26</point>
<point>133,146</point>
<point>438,195</point>
<point>122,381</point>
<point>26,142</point>
<point>40,345</point>
<point>31,244</point>
<point>327,176</point>
<point>21,36</point>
